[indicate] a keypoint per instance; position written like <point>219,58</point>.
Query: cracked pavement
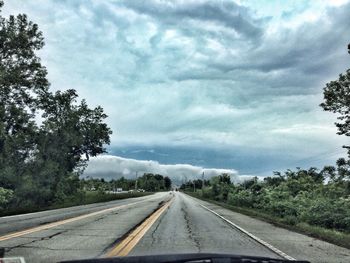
<point>86,238</point>
<point>184,227</point>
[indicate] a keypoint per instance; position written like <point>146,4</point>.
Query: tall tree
<point>167,183</point>
<point>22,82</point>
<point>71,132</point>
<point>41,163</point>
<point>337,100</point>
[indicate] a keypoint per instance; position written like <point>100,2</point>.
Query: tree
<point>225,178</point>
<point>41,163</point>
<point>5,196</point>
<point>167,182</point>
<point>337,100</point>
<point>22,82</point>
<point>154,182</point>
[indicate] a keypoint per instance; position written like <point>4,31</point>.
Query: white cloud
<point>114,167</point>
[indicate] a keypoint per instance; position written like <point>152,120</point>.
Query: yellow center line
<point>125,246</point>
<point>65,221</point>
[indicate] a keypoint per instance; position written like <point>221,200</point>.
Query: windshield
<point>134,128</point>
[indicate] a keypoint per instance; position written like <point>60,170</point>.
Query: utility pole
<point>194,186</point>
<point>136,182</point>
<point>202,181</point>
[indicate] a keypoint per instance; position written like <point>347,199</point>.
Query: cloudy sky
<point>192,85</point>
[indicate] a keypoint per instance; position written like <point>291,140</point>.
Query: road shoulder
<point>294,244</point>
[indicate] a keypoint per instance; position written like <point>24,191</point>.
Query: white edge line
<point>276,250</point>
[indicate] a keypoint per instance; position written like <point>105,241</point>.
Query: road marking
<point>126,245</point>
<point>52,210</point>
<point>264,243</point>
<point>65,221</point>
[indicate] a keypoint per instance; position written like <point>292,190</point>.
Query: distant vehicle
<point>141,190</point>
<point>119,190</point>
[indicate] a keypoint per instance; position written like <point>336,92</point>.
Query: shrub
<point>5,197</point>
<point>329,213</point>
<point>241,198</point>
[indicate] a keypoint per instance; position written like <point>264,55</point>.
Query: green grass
<point>88,197</point>
<point>329,235</point>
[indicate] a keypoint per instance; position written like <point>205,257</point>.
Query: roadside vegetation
<point>147,182</point>
<point>92,190</point>
<point>47,138</point>
<point>83,198</point>
<point>313,201</point>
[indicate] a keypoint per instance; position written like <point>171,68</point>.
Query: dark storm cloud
<point>227,13</point>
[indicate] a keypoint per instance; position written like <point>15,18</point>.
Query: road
<point>156,224</point>
<point>186,227</point>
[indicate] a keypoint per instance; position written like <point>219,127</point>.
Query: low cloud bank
<point>113,167</point>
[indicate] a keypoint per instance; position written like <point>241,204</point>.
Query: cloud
<point>242,79</point>
<point>114,167</point>
<point>228,14</point>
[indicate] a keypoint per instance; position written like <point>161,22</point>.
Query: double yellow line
<point>125,246</point>
<point>122,248</point>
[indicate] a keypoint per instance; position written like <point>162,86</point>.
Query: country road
<point>157,224</point>
<point>186,227</point>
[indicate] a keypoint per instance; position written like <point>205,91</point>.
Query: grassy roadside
<point>329,235</point>
<point>85,198</point>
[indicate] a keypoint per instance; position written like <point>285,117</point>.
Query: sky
<point>200,86</point>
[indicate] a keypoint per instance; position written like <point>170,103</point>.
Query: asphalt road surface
<point>157,224</point>
<point>186,227</point>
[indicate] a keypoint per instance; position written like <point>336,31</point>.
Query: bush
<point>5,196</point>
<point>282,208</point>
<point>241,198</point>
<point>207,192</point>
<point>329,214</point>
<point>298,196</point>
<point>291,220</point>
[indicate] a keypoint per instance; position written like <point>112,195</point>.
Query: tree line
<point>46,138</point>
<point>148,182</point>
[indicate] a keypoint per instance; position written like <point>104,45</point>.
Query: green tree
<point>5,197</point>
<point>22,82</point>
<point>337,100</point>
<point>225,178</point>
<point>167,183</point>
<point>69,135</point>
<point>41,163</point>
